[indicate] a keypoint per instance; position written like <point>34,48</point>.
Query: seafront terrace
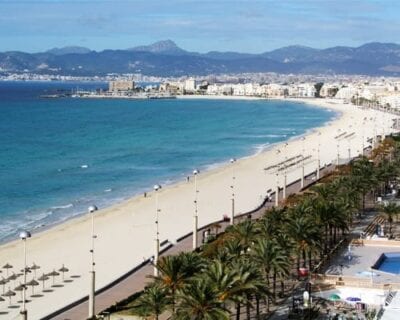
<point>138,278</point>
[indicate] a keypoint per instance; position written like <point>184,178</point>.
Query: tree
<point>175,271</point>
<point>390,211</point>
<point>152,303</point>
<point>306,236</point>
<point>244,232</point>
<point>272,259</point>
<point>362,171</point>
<point>199,301</point>
<point>248,282</point>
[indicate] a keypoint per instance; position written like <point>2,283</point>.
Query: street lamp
<point>195,217</point>
<point>285,173</point>
<point>156,240</point>
<point>23,236</point>
<point>277,180</point>
<point>337,156</point>
<point>92,210</point>
<point>233,160</point>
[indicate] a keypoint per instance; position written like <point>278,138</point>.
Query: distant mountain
<point>165,58</point>
<point>161,47</point>
<point>68,50</point>
<point>291,54</point>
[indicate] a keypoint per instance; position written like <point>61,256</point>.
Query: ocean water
<point>58,156</point>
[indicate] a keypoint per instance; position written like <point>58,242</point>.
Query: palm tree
<point>271,223</point>
<point>272,259</point>
<point>244,232</point>
<point>222,279</point>
<point>152,303</point>
<point>174,272</point>
<point>306,236</point>
<point>362,171</point>
<point>199,301</point>
<point>390,211</point>
<point>248,282</point>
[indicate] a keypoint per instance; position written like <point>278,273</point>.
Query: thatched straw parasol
<point>43,278</point>
<point>3,283</point>
<point>34,267</point>
<point>13,277</point>
<point>33,283</point>
<point>20,288</point>
<point>53,274</point>
<point>9,294</point>
<point>63,270</point>
<point>7,266</point>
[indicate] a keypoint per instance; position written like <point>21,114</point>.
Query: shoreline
<point>42,227</point>
<point>124,225</point>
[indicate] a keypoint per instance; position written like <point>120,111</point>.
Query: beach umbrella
<point>34,267</point>
<point>53,274</point>
<point>9,294</point>
<point>3,283</point>
<point>7,266</point>
<point>334,297</point>
<point>43,278</point>
<point>33,283</point>
<point>20,288</point>
<point>13,277</point>
<point>63,269</point>
<point>353,299</point>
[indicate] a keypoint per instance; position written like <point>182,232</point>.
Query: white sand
<point>126,231</point>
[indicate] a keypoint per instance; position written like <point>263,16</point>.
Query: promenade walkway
<point>136,279</point>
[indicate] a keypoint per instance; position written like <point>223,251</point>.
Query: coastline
<point>123,226</point>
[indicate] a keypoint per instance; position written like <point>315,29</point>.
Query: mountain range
<point>165,58</point>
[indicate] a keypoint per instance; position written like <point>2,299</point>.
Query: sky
<point>242,25</point>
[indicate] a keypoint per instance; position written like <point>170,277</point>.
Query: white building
<point>190,85</point>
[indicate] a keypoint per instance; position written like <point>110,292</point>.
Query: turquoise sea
<point>58,156</point>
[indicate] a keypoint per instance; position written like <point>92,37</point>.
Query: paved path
<point>135,280</point>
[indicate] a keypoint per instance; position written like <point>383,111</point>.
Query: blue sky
<point>241,25</point>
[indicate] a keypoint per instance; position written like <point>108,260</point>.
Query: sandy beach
<point>125,232</point>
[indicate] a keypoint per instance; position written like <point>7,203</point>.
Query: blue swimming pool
<point>388,262</point>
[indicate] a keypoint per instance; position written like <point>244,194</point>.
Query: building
<point>121,85</point>
<point>190,85</point>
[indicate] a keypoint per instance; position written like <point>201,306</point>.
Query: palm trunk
<point>363,203</point>
<point>248,307</point>
<point>258,306</point>
<point>238,311</point>
<point>326,239</point>
<point>274,285</point>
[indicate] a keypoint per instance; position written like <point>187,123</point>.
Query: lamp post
<point>277,180</point>
<point>285,174</point>
<point>195,217</point>
<point>24,313</point>
<point>302,164</point>
<point>92,210</point>
<point>233,160</point>
<point>337,154</point>
<point>157,239</point>
<point>318,157</point>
